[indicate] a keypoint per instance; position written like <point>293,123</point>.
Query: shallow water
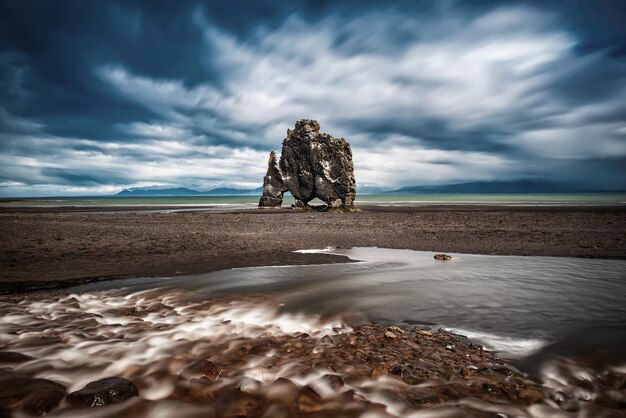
<point>510,303</point>
<point>562,318</point>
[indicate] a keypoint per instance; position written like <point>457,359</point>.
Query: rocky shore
<point>162,353</point>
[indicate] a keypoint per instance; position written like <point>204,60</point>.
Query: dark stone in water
<point>531,395</point>
<point>13,357</point>
<point>333,380</point>
<point>202,368</point>
<point>282,389</point>
<point>43,401</point>
<point>233,403</point>
<point>308,400</point>
<point>32,395</point>
<point>104,392</point>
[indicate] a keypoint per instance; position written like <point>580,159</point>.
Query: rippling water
<point>513,304</point>
<point>561,318</point>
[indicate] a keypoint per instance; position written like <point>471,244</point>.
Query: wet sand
<point>52,247</point>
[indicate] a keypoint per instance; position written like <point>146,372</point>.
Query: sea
<point>383,199</point>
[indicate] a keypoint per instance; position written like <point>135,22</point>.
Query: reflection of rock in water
<point>312,164</point>
<point>188,355</point>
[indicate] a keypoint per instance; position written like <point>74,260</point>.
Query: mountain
<point>226,191</point>
<point>178,191</point>
<point>477,187</point>
<point>183,191</point>
<point>498,187</point>
<point>370,190</point>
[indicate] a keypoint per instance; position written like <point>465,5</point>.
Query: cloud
<point>156,130</point>
<point>452,92</point>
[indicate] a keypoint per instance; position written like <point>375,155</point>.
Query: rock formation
<point>273,185</point>
<point>312,164</point>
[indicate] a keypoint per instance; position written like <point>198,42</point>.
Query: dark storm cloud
<point>99,95</point>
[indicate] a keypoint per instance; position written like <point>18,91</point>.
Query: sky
<point>98,96</point>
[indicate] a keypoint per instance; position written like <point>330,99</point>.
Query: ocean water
<point>250,201</point>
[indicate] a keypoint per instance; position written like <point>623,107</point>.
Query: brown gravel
<point>43,247</point>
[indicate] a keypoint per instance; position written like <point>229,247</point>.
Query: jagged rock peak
<point>273,185</point>
<point>312,164</point>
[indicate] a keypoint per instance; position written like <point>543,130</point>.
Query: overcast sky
<point>97,96</point>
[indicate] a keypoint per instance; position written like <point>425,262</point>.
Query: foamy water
<point>111,331</point>
<point>252,322</point>
<point>151,338</point>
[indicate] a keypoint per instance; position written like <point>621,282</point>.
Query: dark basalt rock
<point>44,401</point>
<point>273,185</point>
<point>312,165</point>
<point>13,357</point>
<point>35,396</point>
<point>103,392</point>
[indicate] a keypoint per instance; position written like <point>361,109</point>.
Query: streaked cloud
<point>452,92</point>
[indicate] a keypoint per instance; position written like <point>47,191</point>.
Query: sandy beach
<point>50,247</point>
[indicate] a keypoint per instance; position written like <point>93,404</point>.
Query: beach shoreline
<point>57,247</point>
<point>229,360</point>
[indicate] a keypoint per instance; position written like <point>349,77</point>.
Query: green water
<point>452,198</point>
<point>133,201</point>
<point>383,199</point>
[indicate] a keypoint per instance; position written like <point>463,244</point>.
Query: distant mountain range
<point>477,187</point>
<point>183,191</point>
<point>501,187</point>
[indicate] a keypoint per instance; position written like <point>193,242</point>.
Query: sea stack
<point>312,164</point>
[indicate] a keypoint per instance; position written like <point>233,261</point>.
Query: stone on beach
<point>312,165</point>
<point>35,396</point>
<point>103,392</point>
<point>442,257</point>
<point>202,369</point>
<point>13,357</point>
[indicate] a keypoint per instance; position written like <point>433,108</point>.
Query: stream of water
<point>512,304</point>
<point>534,310</point>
